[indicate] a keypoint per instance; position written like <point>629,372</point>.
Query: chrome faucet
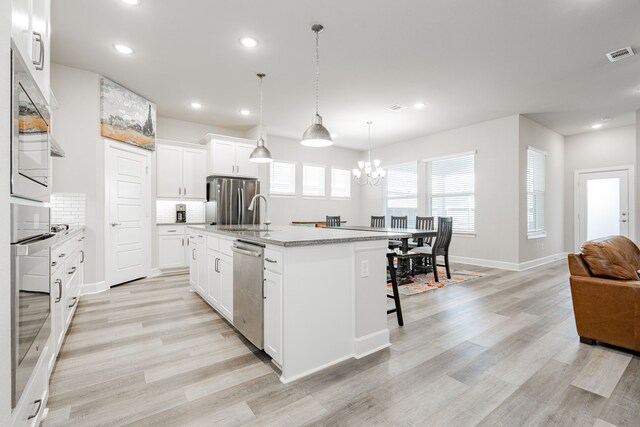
<point>252,205</point>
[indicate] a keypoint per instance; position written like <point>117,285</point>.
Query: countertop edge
<point>67,235</point>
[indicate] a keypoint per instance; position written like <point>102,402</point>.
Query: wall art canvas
<point>126,116</point>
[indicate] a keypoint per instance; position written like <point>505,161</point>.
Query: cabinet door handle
<point>183,241</point>
<point>75,300</point>
<point>72,270</point>
<point>82,259</point>
<point>54,263</point>
<point>40,62</point>
<point>62,255</point>
<point>184,193</point>
<point>179,191</point>
<point>193,253</point>
<point>39,403</point>
<point>59,283</point>
<point>264,288</point>
<point>216,266</point>
<point>273,261</point>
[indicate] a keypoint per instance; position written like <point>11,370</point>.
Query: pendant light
<point>365,173</point>
<point>260,154</point>
<point>317,135</point>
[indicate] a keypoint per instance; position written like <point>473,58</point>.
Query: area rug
<point>426,282</point>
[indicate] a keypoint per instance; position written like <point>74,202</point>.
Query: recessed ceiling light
<point>196,105</point>
<point>596,126</point>
<point>606,119</point>
<point>245,112</point>
<point>248,42</point>
<point>132,2</point>
<point>125,50</point>
<point>418,105</point>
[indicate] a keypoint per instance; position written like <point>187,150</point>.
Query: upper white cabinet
<point>181,172</point>
<point>30,31</point>
<point>230,156</point>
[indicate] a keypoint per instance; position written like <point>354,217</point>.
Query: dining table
<point>404,267</point>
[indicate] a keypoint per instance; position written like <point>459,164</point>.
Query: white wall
<point>537,136</point>
<point>5,289</point>
<point>283,210</point>
<point>179,130</point>
<point>76,128</point>
<point>497,187</point>
<point>593,150</point>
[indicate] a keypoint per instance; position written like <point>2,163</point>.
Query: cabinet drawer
<point>225,247</point>
<point>273,261</point>
<point>171,230</point>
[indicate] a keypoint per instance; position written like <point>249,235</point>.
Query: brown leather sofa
<point>605,288</point>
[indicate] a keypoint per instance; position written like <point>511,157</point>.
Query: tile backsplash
<point>166,211</point>
<point>68,208</point>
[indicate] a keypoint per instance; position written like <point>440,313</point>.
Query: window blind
<point>340,183</point>
<point>536,167</point>
<point>282,180</point>
<point>313,180</point>
<point>451,191</point>
<point>401,185</point>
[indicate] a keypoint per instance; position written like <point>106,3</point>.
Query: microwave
<point>30,138</point>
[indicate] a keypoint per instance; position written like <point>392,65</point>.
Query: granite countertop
<point>65,235</point>
<point>288,235</point>
<point>180,223</point>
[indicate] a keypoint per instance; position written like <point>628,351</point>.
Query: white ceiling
<point>469,60</point>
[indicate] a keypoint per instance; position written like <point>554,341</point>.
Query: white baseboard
<point>371,343</point>
<point>94,288</point>
<point>513,266</point>
<point>292,378</point>
<point>155,272</point>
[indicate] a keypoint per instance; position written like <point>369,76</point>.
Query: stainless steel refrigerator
<point>228,200</point>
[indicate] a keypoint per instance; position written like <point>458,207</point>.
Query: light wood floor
<point>501,350</point>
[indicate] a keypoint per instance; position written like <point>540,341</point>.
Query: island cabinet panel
<point>273,316</point>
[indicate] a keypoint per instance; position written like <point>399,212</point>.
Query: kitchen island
<point>324,290</point>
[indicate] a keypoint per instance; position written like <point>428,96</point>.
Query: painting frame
<point>126,116</point>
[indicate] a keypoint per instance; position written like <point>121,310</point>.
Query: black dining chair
<point>440,247</point>
<point>377,221</point>
<point>332,221</point>
<point>397,222</point>
<point>393,280</point>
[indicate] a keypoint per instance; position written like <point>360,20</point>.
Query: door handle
<point>59,283</point>
<point>40,62</point>
<point>82,259</point>
<point>216,266</point>
<point>115,224</point>
<point>271,260</point>
<point>75,300</point>
<point>39,403</point>
<point>183,241</point>
<point>193,253</point>
<point>179,191</point>
<point>72,270</point>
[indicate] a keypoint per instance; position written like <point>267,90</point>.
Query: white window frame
<point>537,233</point>
<point>385,192</point>
<point>324,182</point>
<point>295,172</point>
<point>348,173</point>
<point>428,203</point>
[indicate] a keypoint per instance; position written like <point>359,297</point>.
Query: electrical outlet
<point>364,268</point>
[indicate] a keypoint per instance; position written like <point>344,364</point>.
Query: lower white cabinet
<point>213,278</point>
<point>173,247</point>
<point>219,279</point>
<point>225,270</point>
<point>273,315</point>
<point>193,261</point>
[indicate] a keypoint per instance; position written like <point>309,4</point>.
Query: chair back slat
<point>399,222</point>
<point>425,223</point>
<point>445,232</point>
<point>377,221</point>
<point>333,221</point>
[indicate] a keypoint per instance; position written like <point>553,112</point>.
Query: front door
<point>603,204</point>
<point>127,172</point>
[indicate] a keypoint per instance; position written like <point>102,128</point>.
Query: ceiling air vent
<point>619,54</point>
<point>397,107</point>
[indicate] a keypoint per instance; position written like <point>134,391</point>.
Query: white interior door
<point>127,174</point>
<point>603,205</point>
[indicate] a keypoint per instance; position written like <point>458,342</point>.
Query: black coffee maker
<point>181,213</point>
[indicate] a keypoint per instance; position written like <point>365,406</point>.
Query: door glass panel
<point>603,207</point>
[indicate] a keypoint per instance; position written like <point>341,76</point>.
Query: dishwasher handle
<point>242,251</point>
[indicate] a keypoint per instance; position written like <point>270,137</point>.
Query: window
<point>340,183</point>
<point>312,181</point>
<point>535,192</point>
<point>451,191</point>
<point>401,185</point>
<point>282,179</point>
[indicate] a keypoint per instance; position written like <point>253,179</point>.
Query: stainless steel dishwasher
<point>248,273</point>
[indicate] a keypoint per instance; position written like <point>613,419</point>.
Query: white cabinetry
<point>273,269</point>
<point>225,269</point>
<point>230,156</point>
<point>30,31</point>
<point>181,172</point>
<point>218,276</point>
<point>173,248</point>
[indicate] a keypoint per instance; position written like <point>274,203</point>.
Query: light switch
<point>364,268</point>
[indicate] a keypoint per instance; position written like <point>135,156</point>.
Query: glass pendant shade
<point>316,135</point>
<point>260,154</point>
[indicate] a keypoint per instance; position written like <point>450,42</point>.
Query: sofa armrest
<point>607,310</point>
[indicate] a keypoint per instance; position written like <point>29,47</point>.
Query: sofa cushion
<point>628,249</point>
<point>610,257</point>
